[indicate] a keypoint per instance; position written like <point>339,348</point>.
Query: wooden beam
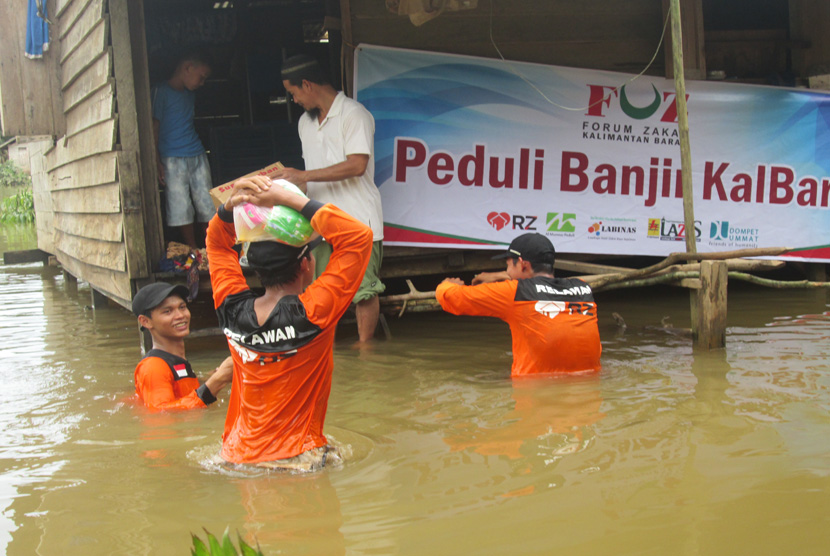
<point>75,62</point>
<point>27,256</point>
<point>114,284</point>
<point>101,198</point>
<point>86,172</point>
<point>134,103</point>
<point>104,227</point>
<point>103,254</point>
<point>132,212</point>
<point>709,332</point>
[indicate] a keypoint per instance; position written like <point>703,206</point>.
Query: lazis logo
<point>670,230</point>
<point>500,220</point>
<point>561,222</point>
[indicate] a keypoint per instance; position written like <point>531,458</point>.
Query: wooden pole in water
<point>683,128</point>
<point>708,308</point>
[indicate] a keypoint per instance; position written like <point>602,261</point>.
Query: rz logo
<point>524,222</point>
<point>498,219</point>
<point>561,222</point>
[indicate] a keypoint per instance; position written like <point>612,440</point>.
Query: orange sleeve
<point>484,300</point>
<point>328,297</point>
<point>226,276</point>
<point>154,385</point>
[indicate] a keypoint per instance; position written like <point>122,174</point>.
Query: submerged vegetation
<point>17,203</point>
<point>19,207</point>
<point>226,548</point>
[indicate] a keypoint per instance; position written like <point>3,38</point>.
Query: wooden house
<point>99,206</point>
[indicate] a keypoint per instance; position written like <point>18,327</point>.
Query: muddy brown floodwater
<point>666,451</point>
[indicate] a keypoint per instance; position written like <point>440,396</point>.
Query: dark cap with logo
<point>149,297</point>
<point>534,248</point>
<point>273,256</point>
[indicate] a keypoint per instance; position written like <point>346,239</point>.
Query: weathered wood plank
<point>96,76</point>
<point>98,199</point>
<point>75,32</point>
<point>114,284</point>
<point>96,108</point>
<point>41,194</point>
<point>522,8</point>
<point>87,51</point>
<point>28,99</point>
<point>135,113</point>
<point>69,16</point>
<point>99,138</point>
<point>133,215</point>
<point>86,172</point>
<point>24,257</point>
<point>60,7</point>
<point>104,227</point>
<point>709,330</point>
<point>13,113</point>
<point>104,254</point>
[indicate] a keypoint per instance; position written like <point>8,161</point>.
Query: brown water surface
<point>665,451</point>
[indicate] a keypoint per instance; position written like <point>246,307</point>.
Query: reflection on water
<point>666,451</point>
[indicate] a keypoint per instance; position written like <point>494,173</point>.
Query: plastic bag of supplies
<point>283,224</point>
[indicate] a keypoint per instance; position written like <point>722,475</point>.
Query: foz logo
<point>601,95</point>
<point>498,219</point>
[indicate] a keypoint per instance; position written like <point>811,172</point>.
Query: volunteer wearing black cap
<point>164,379</point>
<point>281,340</point>
<point>553,321</point>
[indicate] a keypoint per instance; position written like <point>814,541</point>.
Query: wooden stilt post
<point>99,300</point>
<point>700,298</point>
<point>709,332</point>
<point>70,282</point>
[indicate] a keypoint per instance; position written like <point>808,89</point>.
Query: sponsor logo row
<point>719,233</point>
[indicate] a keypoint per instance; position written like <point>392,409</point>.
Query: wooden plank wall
<point>30,102</point>
<point>83,165</point>
<point>809,21</point>
<point>599,34</point>
<point>44,214</point>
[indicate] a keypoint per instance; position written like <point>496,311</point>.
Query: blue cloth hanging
<point>37,30</point>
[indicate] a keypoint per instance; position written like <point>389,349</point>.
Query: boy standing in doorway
<point>182,163</point>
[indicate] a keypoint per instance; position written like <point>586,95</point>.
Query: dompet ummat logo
<point>561,222</point>
<point>719,230</point>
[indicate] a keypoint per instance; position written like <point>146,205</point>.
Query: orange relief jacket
<point>164,381</point>
<point>282,369</point>
<point>553,321</point>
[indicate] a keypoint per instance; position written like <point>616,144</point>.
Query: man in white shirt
<point>337,134</point>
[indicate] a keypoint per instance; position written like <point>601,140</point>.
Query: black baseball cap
<point>534,248</point>
<point>149,297</point>
<point>273,256</point>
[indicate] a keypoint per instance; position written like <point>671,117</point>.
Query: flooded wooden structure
<point>99,205</point>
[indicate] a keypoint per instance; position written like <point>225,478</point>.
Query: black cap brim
<point>150,297</point>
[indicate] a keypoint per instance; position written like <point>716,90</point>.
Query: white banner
<point>473,152</point>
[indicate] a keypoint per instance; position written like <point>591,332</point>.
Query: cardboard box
<point>220,193</point>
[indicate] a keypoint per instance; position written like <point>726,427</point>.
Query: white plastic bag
<point>279,223</point>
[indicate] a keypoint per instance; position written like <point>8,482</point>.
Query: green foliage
<point>12,176</point>
<point>18,208</point>
<point>226,548</point>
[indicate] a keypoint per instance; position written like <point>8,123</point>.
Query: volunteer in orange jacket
<point>281,341</point>
<point>553,321</point>
<point>164,379</point>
